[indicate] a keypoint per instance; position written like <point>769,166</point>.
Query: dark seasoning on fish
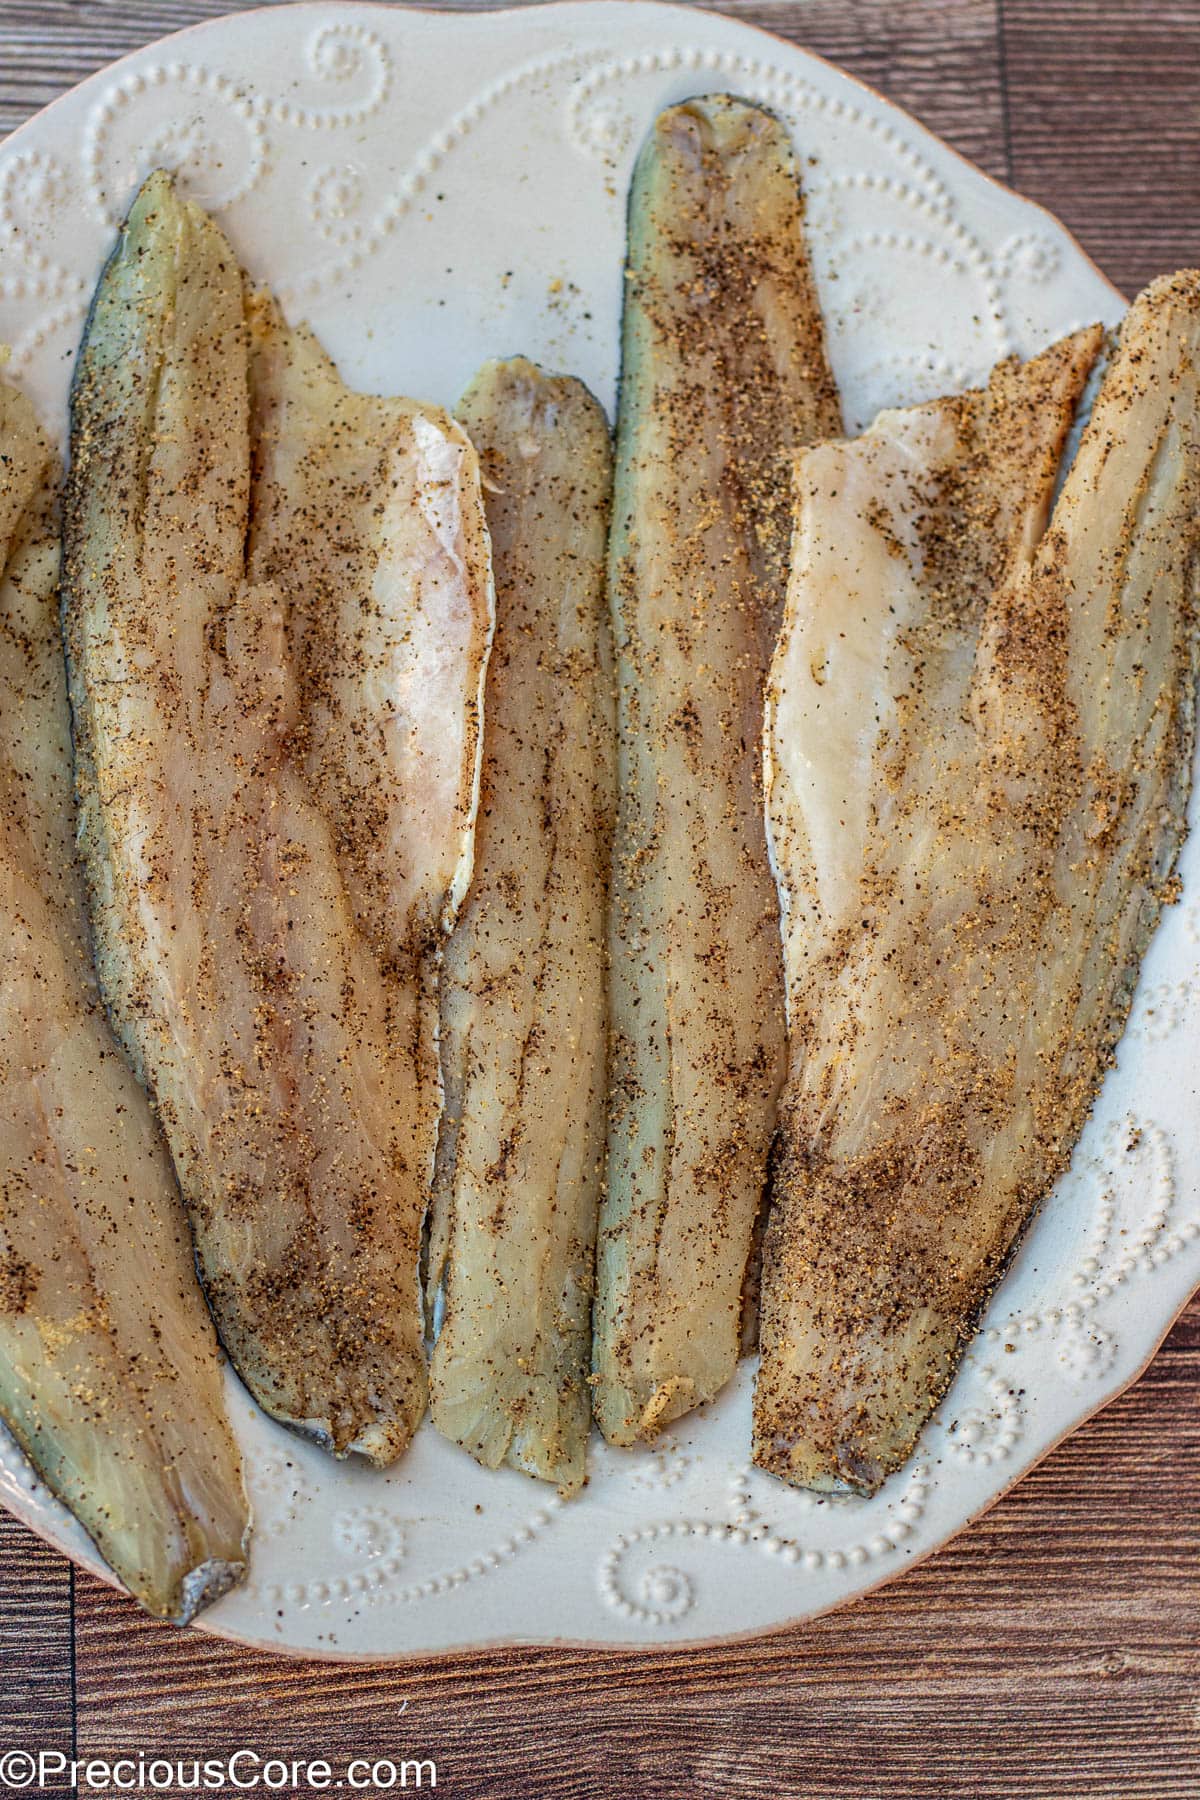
<point>723,377</point>
<point>244,955</point>
<point>970,884</point>
<point>109,1374</point>
<point>523,1008</point>
<point>802,840</point>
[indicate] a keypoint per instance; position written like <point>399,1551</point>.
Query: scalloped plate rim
<point>618,1646</point>
<point>28,1510</point>
<point>391,8</point>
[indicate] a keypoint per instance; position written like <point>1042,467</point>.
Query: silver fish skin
<point>979,737</point>
<point>723,377</point>
<point>523,1004</point>
<point>110,1378</point>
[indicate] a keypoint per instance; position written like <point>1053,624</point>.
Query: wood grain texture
<point>1104,100</point>
<point>36,1651</point>
<point>1052,1650</point>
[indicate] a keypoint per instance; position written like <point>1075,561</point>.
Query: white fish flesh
<point>978,751</point>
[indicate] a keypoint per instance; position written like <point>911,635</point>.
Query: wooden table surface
<point>1052,1650</point>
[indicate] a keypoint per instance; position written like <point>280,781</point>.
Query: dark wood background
<point>1052,1650</point>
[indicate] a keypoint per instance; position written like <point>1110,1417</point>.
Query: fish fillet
<point>367,515</point>
<point>524,1017</point>
<point>723,377</point>
<point>232,949</point>
<point>109,1373</point>
<point>978,747</point>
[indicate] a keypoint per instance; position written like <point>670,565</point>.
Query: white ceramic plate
<point>429,190</point>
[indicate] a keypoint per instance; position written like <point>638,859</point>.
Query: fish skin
<point>972,872</point>
<point>724,376</point>
<point>229,951</point>
<point>110,1379</point>
<point>524,1016</point>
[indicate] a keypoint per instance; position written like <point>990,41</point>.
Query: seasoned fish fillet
<point>524,1015</point>
<point>234,957</point>
<point>109,1373</point>
<point>368,517</point>
<point>723,377</point>
<point>978,746</point>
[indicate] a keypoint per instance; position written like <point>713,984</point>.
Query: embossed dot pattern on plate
<point>428,190</point>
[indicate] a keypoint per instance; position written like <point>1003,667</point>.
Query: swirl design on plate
<point>1160,1010</point>
<point>378,1538</point>
<point>279,1493</point>
<point>988,1433</point>
<point>184,117</point>
<point>656,1594</point>
<point>214,131</point>
<point>335,195</point>
<point>664,1466</point>
<point>210,130</point>
<point>1129,1230</point>
<point>33,187</point>
<point>494,1557</point>
<point>1034,255</point>
<point>1086,1351</point>
<point>369,1531</point>
<point>650,1549</point>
